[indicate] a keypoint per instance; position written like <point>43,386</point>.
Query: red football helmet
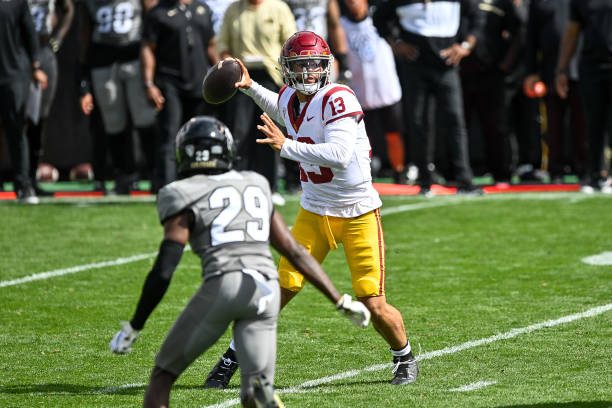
<point>306,62</point>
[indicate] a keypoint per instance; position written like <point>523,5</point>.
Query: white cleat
<point>123,340</point>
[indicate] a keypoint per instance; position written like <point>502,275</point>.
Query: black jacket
<point>18,41</point>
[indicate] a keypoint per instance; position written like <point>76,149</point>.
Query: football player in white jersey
<point>339,205</point>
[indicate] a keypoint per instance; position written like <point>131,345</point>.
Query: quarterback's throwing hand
<point>274,136</point>
<point>354,310</point>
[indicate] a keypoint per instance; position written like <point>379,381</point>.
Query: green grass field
<point>500,305</point>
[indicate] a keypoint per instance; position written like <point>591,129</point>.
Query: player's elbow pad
<point>168,258</point>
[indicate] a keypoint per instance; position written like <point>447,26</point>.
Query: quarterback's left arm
<point>335,152</point>
<point>341,114</point>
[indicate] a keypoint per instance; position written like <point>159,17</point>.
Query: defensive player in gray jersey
<point>229,220</point>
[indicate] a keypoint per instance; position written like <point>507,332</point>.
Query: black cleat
<point>405,370</point>
<point>221,374</point>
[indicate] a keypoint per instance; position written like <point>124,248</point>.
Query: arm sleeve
<point>335,152</point>
<point>266,99</point>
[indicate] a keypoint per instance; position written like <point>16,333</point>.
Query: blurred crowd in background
<point>515,90</point>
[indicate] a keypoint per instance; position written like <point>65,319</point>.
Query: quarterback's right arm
<point>266,99</point>
<point>282,240</point>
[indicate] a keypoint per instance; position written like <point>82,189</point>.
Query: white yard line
<point>473,386</point>
<point>438,353</point>
<point>112,390</point>
<point>76,269</point>
<point>605,258</point>
<point>121,261</point>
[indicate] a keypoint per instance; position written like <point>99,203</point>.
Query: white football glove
<point>122,341</point>
<point>354,310</point>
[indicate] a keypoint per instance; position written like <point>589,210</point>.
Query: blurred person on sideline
<point>426,35</point>
<point>547,22</point>
<point>19,66</point>
<point>592,18</point>
<point>339,205</point>
<point>178,48</point>
<point>482,80</point>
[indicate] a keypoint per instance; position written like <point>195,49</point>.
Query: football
<point>81,172</point>
<point>47,173</point>
<point>218,86</point>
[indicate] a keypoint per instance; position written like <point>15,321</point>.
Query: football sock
<point>157,281</point>
<point>395,150</point>
<point>402,352</point>
<point>153,291</point>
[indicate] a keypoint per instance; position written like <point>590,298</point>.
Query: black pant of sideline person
<point>483,96</point>
<point>13,97</point>
<point>567,145</point>
<point>596,86</point>
<point>445,87</point>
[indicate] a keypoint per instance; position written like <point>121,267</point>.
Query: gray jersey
<point>42,14</point>
<point>115,22</point>
<point>232,214</point>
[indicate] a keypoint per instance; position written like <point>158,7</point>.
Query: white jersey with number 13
<point>333,151</point>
